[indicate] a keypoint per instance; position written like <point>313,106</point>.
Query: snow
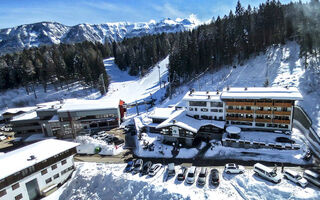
<point>161,113</point>
<point>291,93</point>
<point>88,145</point>
<point>233,129</point>
<point>179,118</point>
<point>123,85</point>
<point>21,109</point>
<point>36,137</point>
<point>80,105</point>
<point>93,181</point>
<point>18,159</point>
<point>26,116</point>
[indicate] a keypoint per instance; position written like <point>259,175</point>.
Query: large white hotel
<point>208,113</point>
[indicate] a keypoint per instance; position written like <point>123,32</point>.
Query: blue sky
<point>71,12</point>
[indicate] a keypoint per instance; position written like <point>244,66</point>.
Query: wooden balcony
<point>282,113</point>
<point>240,111</point>
<point>264,104</point>
<point>238,103</point>
<point>264,112</point>
<point>263,120</point>
<point>278,121</point>
<point>240,119</point>
<point>282,104</point>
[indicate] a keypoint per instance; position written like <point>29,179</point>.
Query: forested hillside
<point>59,65</point>
<point>226,40</point>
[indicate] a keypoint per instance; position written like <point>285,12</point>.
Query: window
<point>54,166</point>
<point>18,197</point>
<point>43,172</point>
<point>15,186</point>
<point>260,124</point>
<point>198,103</point>
<point>2,193</point>
<point>204,109</point>
<point>214,110</point>
<point>220,110</point>
<point>48,180</point>
<point>191,109</point>
<point>216,104</point>
<point>63,162</point>
<point>56,176</point>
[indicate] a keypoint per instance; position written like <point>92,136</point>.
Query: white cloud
<point>168,10</point>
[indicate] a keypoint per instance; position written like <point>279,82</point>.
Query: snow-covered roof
<point>17,160</point>
<point>16,110</point>
<point>161,113</point>
<point>281,93</point>
<point>180,119</point>
<point>25,116</point>
<point>36,137</point>
<point>202,95</point>
<point>83,105</point>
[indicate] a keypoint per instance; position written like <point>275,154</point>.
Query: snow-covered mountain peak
<point>48,33</point>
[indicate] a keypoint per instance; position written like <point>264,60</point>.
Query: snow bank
<point>88,145</point>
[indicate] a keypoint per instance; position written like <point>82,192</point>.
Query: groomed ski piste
<point>280,65</point>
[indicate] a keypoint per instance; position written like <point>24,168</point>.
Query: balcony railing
<point>263,120</point>
<point>282,113</point>
<point>239,103</point>
<point>278,121</point>
<point>263,104</point>
<point>239,111</point>
<point>264,112</point>
<point>282,104</point>
<point>240,119</point>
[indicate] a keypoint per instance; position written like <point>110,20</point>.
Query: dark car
<point>146,168</point>
<point>182,174</point>
<point>137,167</point>
<point>307,155</point>
<point>214,177</point>
<point>129,166</point>
<point>285,140</point>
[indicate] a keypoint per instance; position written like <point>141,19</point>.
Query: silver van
<point>312,177</point>
<point>267,173</point>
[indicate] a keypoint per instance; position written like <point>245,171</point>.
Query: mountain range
<point>48,33</point>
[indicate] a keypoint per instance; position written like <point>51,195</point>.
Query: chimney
<point>209,97</point>
<point>217,91</point>
<point>207,92</point>
<point>228,88</point>
<point>246,88</point>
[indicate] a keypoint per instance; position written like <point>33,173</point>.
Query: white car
<point>267,173</point>
<point>232,168</point>
<point>295,177</point>
<point>154,169</point>
<point>191,175</point>
<point>2,138</point>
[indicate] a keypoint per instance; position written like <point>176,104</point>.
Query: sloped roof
<point>180,119</point>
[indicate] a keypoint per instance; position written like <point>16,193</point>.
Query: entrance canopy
<point>233,130</point>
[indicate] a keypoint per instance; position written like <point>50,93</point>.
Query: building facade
<point>36,169</point>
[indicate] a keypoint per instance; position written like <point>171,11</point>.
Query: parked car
<point>171,170</point>
<point>267,173</point>
<point>138,166</point>
<point>295,177</point>
<point>308,155</point>
<point>182,174</point>
<point>312,177</point>
<point>232,168</point>
<point>285,140</point>
<point>154,169</point>
<point>214,177</point>
<point>146,168</point>
<point>2,138</point>
<point>129,166</point>
<point>191,175</point>
<point>202,176</point>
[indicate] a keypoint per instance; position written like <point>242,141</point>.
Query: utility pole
<point>159,76</point>
<point>103,85</point>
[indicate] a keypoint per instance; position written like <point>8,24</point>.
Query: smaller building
<point>32,171</point>
<point>8,114</point>
<point>181,128</point>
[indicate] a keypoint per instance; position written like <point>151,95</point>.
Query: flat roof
<point>280,93</point>
<point>180,119</point>
<point>85,105</point>
<point>25,116</point>
<point>202,95</point>
<point>17,160</point>
<point>21,109</point>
